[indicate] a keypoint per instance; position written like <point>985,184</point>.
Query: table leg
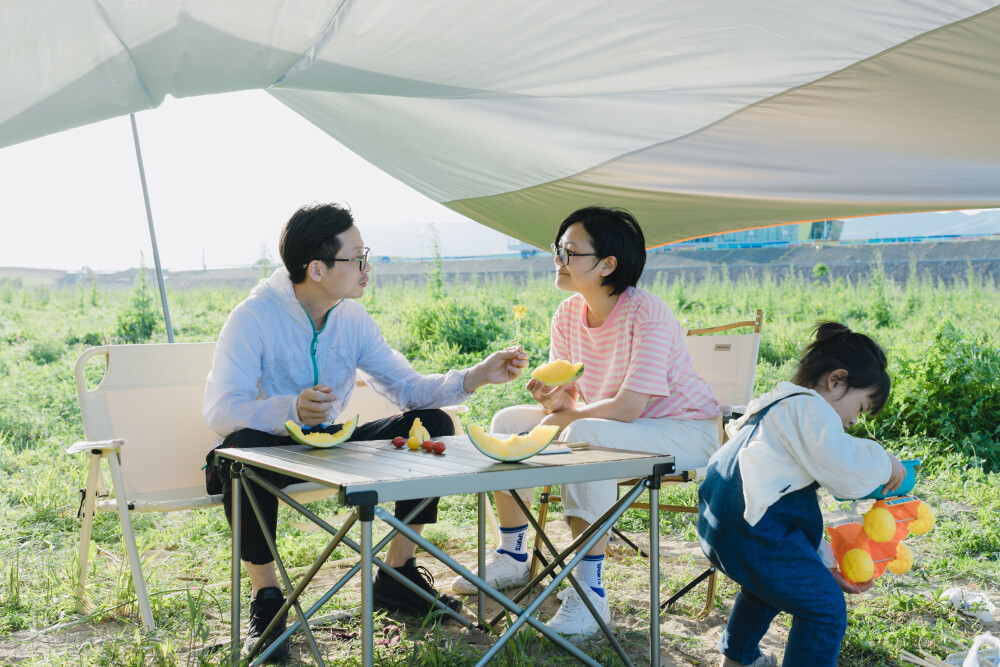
<point>234,476</point>
<point>481,555</point>
<point>367,515</point>
<point>654,571</point>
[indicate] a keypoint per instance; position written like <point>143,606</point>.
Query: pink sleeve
<point>558,343</point>
<point>653,352</point>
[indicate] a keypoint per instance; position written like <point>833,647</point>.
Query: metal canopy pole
<point>152,233</point>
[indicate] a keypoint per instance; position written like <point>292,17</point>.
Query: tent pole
<point>152,233</point>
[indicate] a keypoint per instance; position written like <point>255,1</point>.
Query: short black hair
<point>311,233</point>
<point>835,347</point>
<point>614,233</point>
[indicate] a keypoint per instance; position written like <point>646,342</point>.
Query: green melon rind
<point>563,383</point>
<point>503,459</point>
<point>344,434</point>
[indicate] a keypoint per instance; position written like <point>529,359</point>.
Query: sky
<point>224,173</point>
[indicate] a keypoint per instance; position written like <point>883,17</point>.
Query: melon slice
<point>558,373</point>
<point>516,447</point>
<point>320,439</point>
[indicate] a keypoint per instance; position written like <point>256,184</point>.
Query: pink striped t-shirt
<point>640,348</point>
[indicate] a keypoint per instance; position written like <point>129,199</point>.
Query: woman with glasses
<point>290,352</point>
<point>638,392</point>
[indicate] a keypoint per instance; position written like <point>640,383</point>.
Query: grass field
<point>944,354</point>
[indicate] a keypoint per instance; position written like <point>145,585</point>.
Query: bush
<point>465,327</point>
<point>139,319</point>
<point>949,391</point>
<point>45,352</point>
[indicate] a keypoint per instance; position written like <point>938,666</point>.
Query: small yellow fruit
<point>924,521</point>
<point>418,431</point>
<point>880,525</point>
<point>858,566</point>
<point>413,443</point>
<point>903,561</point>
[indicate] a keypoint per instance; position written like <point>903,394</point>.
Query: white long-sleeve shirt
<point>802,440</point>
<point>264,359</point>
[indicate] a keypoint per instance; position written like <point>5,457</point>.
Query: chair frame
<point>681,477</point>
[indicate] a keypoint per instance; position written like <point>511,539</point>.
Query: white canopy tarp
<point>700,117</point>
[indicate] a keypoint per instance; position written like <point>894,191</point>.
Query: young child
<point>759,519</point>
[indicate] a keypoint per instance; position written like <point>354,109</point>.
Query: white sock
<point>514,542</point>
<point>591,572</point>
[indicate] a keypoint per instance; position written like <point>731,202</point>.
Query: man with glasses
<point>290,351</point>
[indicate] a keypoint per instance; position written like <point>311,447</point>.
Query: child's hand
<point>849,586</point>
<point>897,476</point>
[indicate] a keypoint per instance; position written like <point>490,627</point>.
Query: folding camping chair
<point>729,364</point>
<point>144,419</point>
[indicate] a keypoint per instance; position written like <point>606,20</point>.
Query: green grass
<point>943,350</point>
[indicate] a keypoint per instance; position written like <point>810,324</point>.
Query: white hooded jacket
<point>802,440</point>
<point>268,352</point>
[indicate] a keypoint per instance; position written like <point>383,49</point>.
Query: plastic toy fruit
<point>321,439</point>
<point>514,448</point>
<point>557,373</point>
<point>903,560</point>
<point>427,445</point>
<point>858,566</point>
<point>399,441</point>
<point>418,431</point>
<point>413,443</point>
<point>439,447</point>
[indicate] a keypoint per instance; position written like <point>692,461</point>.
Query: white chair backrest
<point>152,395</point>
<point>728,363</point>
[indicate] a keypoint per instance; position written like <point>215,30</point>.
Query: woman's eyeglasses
<point>563,255</point>
<point>362,259</point>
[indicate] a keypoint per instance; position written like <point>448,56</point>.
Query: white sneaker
<point>502,572</point>
<point>765,660</point>
<point>573,620</point>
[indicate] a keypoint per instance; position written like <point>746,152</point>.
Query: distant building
<point>526,250</point>
<point>803,232</point>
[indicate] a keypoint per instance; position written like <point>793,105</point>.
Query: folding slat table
<point>367,473</point>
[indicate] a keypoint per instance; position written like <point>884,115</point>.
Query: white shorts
<point>691,442</point>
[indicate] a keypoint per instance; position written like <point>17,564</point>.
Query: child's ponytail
<point>835,347</point>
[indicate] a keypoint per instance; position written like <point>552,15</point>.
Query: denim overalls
<point>775,562</point>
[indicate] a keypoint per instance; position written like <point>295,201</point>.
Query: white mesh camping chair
<point>729,364</point>
<point>144,419</point>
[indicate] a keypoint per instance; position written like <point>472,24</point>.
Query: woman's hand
<point>552,399</point>
<point>314,404</point>
<point>849,586</point>
<point>897,476</point>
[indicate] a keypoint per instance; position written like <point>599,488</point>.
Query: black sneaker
<point>263,609</point>
<point>391,595</point>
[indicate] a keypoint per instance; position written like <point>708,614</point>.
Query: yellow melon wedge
<point>516,447</point>
<point>558,373</point>
<point>320,439</point>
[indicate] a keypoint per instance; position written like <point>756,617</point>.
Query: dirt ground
<point>685,640</point>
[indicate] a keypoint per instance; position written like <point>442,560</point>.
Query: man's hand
<point>849,586</point>
<point>314,404</point>
<point>552,399</point>
<point>498,368</point>
<point>897,476</point>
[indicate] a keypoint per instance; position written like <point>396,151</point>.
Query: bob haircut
<point>614,233</point>
<point>311,233</point>
<point>838,347</point>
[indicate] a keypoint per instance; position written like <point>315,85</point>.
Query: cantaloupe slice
<point>558,373</point>
<point>320,439</point>
<point>516,447</point>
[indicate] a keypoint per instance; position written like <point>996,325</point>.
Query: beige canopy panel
<point>700,117</point>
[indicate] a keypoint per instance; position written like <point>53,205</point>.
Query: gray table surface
<point>404,474</point>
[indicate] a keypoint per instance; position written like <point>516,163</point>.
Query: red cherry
<point>439,447</point>
<point>428,445</point>
<point>399,441</point>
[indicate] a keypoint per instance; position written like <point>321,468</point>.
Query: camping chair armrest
<point>103,446</point>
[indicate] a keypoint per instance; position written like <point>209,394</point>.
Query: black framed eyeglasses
<point>563,255</point>
<point>362,259</point>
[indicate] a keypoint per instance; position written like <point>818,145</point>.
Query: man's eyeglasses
<point>563,255</point>
<point>362,259</point>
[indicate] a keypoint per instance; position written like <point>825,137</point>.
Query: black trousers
<point>254,547</point>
